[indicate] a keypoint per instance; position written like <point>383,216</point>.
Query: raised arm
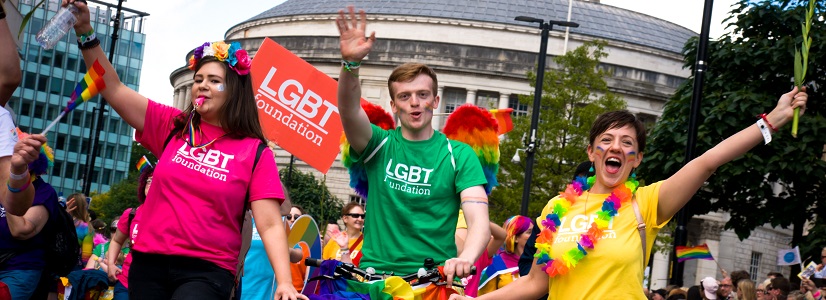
<point>678,189</point>
<point>10,74</point>
<point>354,48</point>
<point>497,238</point>
<point>130,105</point>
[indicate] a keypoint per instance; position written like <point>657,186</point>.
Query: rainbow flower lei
<point>236,57</point>
<point>544,242</point>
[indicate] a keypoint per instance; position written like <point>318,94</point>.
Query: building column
<point>504,100</point>
<point>471,96</point>
<point>437,119</point>
<point>188,95</point>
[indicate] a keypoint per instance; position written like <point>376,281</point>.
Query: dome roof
<point>595,19</point>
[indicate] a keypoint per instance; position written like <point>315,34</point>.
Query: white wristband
<point>765,130</point>
<point>25,175</point>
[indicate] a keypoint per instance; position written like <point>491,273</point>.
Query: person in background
<point>298,269</point>
<point>498,235</point>
<point>346,246</point>
<point>296,211</point>
<point>658,294</point>
<point>745,289</point>
<point>518,230</point>
<point>727,289</point>
<point>78,207</point>
<point>124,233</point>
<point>98,259</point>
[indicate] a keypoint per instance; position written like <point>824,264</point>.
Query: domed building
<point>480,53</point>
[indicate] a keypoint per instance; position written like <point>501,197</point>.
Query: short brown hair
<point>346,209</point>
<point>409,71</point>
<point>618,119</point>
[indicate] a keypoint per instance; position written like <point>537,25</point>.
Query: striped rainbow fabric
<point>698,252</point>
<point>91,85</point>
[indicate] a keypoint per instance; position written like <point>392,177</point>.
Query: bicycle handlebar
<point>427,274</point>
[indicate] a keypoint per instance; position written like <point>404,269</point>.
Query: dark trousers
<point>155,276</point>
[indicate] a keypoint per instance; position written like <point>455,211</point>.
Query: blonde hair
<point>746,290</point>
<point>82,211</point>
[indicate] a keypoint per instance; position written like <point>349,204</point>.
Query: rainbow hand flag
<point>698,252</point>
<point>91,85</point>
<point>143,163</point>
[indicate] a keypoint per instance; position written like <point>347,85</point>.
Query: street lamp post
<point>93,143</point>
<point>531,143</point>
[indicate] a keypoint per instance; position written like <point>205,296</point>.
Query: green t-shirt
<point>413,198</point>
<point>101,250</point>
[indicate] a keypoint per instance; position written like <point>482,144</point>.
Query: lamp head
<point>516,159</point>
<point>528,19</point>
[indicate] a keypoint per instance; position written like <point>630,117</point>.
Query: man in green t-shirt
<point>417,177</point>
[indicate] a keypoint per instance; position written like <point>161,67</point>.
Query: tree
<point>749,70</point>
<point>120,196</point>
<point>313,196</point>
<point>574,94</point>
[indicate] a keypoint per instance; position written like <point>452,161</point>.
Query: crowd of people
<point>197,236</point>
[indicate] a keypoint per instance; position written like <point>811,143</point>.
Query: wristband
<point>84,36</point>
<point>765,131</point>
<point>766,119</point>
<point>350,65</point>
<point>24,175</point>
<point>22,188</point>
<point>88,45</point>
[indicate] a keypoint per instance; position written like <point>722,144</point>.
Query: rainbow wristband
<point>18,190</point>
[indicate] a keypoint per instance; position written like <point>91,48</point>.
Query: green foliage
<point>574,94</point>
<point>749,70</point>
<point>312,195</point>
<point>121,196</point>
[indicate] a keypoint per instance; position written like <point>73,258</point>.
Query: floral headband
<point>232,54</point>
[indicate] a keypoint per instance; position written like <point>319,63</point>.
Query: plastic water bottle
<point>57,27</point>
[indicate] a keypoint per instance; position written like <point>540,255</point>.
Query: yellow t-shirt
<point>614,268</point>
<point>333,251</point>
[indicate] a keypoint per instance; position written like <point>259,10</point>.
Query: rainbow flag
<point>91,85</point>
<point>698,252</point>
<point>503,119</point>
<point>143,163</point>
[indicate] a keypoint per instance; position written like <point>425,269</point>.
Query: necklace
<point>545,241</point>
<point>192,135</point>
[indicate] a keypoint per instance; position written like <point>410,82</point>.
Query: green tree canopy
<point>312,195</point>
<point>574,94</point>
<point>748,71</point>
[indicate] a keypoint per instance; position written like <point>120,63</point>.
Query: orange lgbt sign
<point>297,105</point>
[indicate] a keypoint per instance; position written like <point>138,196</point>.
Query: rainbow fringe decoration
<point>358,175</point>
<point>143,164</point>
<point>699,252</point>
<point>477,128</point>
<point>44,160</point>
<point>91,85</point>
<point>621,195</point>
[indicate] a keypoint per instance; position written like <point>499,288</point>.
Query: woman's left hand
<point>288,292</point>
<point>784,111</point>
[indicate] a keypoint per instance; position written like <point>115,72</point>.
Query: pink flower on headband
<point>244,63</point>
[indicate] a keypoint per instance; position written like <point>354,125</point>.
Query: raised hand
<point>354,45</point>
<point>784,111</point>
<point>26,151</point>
<point>83,24</point>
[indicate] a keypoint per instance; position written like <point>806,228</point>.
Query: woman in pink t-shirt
<point>213,163</point>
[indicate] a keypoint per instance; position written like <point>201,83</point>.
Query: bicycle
<point>339,280</point>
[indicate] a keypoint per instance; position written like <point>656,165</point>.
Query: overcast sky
<point>175,28</point>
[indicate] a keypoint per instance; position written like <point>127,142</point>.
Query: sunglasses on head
<point>356,216</point>
<point>291,217</point>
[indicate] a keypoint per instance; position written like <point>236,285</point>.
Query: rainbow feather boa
<point>478,128</point>
<point>544,242</point>
<point>358,175</point>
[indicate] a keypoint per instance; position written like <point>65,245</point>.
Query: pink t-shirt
<point>130,234</point>
<point>195,206</point>
<point>472,285</point>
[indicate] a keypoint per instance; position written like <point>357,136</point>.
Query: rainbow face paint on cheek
<point>220,87</point>
<point>600,151</point>
<point>429,106</point>
<point>632,156</point>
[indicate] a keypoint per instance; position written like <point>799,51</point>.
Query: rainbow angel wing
<point>358,175</point>
<point>478,128</point>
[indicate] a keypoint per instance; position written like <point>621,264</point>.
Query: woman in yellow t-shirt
<point>346,246</point>
<point>590,246</point>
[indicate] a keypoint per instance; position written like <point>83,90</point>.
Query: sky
<point>176,27</point>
